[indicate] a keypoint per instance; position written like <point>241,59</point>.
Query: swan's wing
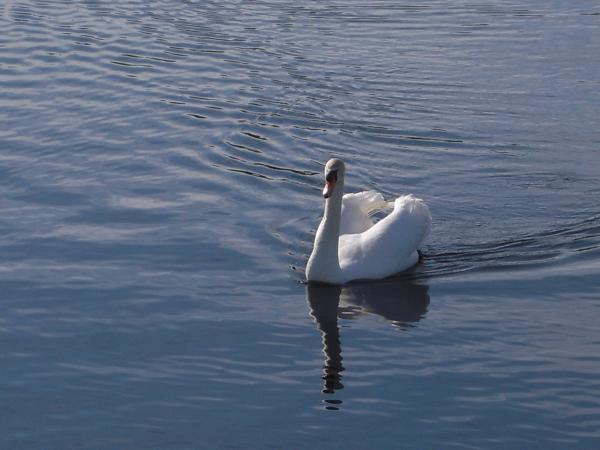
<point>390,245</point>
<point>367,202</point>
<point>356,209</point>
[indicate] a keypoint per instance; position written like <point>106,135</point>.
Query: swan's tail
<point>416,212</point>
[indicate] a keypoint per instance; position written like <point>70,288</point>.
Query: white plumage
<point>349,246</point>
<point>356,209</point>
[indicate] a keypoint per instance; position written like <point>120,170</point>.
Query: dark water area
<point>160,171</point>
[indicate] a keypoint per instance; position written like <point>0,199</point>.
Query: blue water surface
<point>160,175</point>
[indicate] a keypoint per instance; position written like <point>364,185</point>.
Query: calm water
<point>160,177</point>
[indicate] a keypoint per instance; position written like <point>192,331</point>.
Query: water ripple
<point>161,164</point>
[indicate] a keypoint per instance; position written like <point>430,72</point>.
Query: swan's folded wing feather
<point>356,209</point>
<point>390,245</point>
<point>367,202</point>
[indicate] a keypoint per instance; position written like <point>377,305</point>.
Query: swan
<point>348,246</point>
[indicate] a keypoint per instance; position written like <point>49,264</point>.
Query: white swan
<point>348,246</point>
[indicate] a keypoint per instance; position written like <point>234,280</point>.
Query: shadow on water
<point>403,303</point>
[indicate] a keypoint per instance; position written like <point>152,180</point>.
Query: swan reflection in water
<point>402,302</point>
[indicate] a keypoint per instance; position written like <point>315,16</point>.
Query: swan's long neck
<point>323,264</point>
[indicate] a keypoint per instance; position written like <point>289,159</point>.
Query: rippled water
<point>160,170</point>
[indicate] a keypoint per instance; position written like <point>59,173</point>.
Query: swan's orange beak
<point>330,181</point>
<point>328,189</point>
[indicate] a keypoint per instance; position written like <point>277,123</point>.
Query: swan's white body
<point>348,246</point>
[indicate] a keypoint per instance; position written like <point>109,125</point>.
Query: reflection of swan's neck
<point>323,302</point>
<point>332,349</point>
<point>323,264</point>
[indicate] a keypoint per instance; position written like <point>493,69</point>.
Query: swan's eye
<point>331,176</point>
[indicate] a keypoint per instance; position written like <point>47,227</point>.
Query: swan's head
<point>334,173</point>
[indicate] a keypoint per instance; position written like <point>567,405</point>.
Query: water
<point>160,170</point>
